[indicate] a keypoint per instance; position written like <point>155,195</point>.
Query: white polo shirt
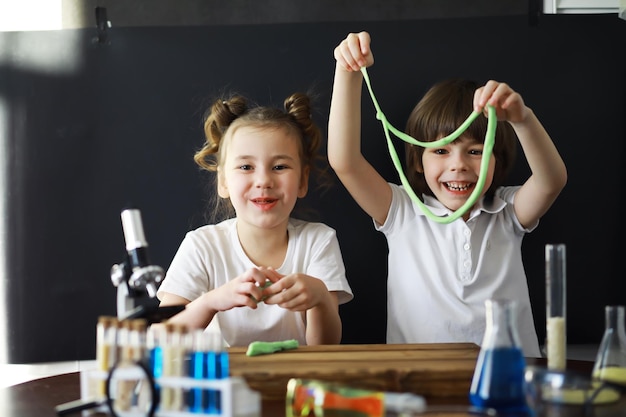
<point>441,274</point>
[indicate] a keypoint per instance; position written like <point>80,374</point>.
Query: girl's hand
<point>243,291</point>
<point>296,292</point>
<point>508,103</point>
<point>354,52</point>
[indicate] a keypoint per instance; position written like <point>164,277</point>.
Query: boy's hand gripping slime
<point>484,162</point>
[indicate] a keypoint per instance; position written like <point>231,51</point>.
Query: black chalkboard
<point>114,123</point>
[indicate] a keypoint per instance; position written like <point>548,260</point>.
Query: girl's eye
<point>245,167</point>
<point>280,167</point>
<point>440,151</point>
<point>476,152</point>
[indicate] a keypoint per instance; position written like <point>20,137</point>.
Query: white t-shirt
<point>212,255</point>
<point>441,274</point>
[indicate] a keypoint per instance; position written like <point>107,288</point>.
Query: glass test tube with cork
<point>556,340</point>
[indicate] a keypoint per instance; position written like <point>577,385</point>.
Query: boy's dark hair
<point>444,108</point>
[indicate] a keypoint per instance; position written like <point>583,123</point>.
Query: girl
<point>262,275</point>
<point>441,274</point>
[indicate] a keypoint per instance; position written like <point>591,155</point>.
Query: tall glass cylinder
<point>556,340</point>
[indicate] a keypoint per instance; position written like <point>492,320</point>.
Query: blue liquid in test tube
<point>156,365</point>
<point>217,365</point>
<point>213,372</point>
<point>198,397</point>
<point>223,361</point>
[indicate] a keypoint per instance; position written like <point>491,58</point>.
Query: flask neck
<point>500,324</point>
<point>614,318</point>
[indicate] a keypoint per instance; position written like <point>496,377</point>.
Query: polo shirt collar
<point>493,206</point>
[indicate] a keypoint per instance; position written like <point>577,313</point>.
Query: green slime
<point>484,162</point>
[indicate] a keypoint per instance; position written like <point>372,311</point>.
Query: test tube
<point>106,330</point>
<point>556,340</point>
<point>122,392</point>
<point>173,366</point>
<point>178,365</point>
<point>217,368</point>
<point>137,339</point>
<point>198,397</point>
<point>155,337</point>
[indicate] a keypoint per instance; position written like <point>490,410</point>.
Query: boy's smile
<point>459,187</point>
<point>452,171</point>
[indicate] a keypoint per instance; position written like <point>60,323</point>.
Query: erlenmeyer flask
<point>498,380</point>
<point>610,365</point>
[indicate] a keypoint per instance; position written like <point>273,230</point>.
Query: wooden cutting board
<point>441,372</point>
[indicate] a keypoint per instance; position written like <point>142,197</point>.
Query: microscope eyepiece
<point>143,273</point>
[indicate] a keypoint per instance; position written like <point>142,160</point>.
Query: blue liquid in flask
<point>499,383</point>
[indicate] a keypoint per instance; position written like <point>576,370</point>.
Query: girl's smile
<point>265,203</point>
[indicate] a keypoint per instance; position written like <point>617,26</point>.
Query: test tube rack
<point>237,399</point>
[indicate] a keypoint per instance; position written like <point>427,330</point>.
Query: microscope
<point>136,275</point>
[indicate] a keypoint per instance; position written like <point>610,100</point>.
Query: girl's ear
<point>222,187</point>
<point>304,183</point>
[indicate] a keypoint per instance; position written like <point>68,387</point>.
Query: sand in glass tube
<point>555,306</point>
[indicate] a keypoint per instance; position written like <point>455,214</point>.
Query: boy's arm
<point>549,174</point>
<point>368,188</point>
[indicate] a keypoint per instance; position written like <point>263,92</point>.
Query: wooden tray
<point>441,372</point>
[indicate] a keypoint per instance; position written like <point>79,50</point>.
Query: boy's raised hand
<point>354,52</point>
<point>508,103</point>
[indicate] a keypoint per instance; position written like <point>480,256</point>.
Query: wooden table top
<point>39,397</point>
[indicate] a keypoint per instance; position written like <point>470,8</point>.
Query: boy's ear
<point>416,161</point>
<point>304,183</point>
<point>222,187</point>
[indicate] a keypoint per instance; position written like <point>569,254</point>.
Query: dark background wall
<point>120,125</point>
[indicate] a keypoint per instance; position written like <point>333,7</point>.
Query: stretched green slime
<point>484,162</point>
